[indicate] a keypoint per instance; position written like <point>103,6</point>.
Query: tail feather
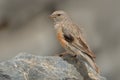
<point>90,61</point>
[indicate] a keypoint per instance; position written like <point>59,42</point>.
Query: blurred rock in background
<point>25,27</point>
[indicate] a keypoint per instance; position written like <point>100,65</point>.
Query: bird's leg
<point>75,55</point>
<point>63,54</point>
<point>67,53</point>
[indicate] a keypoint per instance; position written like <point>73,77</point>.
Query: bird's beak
<point>52,16</point>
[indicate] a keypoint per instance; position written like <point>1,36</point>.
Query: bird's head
<point>59,16</point>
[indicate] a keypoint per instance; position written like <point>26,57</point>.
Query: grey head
<point>59,16</point>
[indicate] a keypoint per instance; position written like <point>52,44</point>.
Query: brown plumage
<point>79,42</point>
<point>70,35</point>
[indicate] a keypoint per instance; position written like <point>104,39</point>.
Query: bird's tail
<point>96,68</point>
<point>91,62</point>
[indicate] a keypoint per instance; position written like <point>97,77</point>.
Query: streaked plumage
<point>69,34</point>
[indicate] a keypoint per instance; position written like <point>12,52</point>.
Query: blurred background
<point>25,27</point>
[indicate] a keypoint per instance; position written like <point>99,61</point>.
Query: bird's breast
<point>61,39</point>
<point>57,25</point>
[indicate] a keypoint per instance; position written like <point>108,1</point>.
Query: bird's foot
<point>62,54</point>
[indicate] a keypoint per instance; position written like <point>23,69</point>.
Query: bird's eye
<point>58,14</point>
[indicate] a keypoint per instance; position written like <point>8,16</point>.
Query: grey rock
<point>83,67</point>
<point>29,67</point>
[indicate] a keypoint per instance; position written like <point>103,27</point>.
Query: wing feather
<point>80,43</point>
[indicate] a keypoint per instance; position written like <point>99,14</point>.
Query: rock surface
<point>29,67</point>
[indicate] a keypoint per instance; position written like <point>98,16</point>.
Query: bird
<point>71,36</point>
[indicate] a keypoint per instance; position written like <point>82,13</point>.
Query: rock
<point>29,67</point>
<point>83,66</point>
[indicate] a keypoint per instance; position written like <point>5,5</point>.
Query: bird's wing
<point>74,33</point>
